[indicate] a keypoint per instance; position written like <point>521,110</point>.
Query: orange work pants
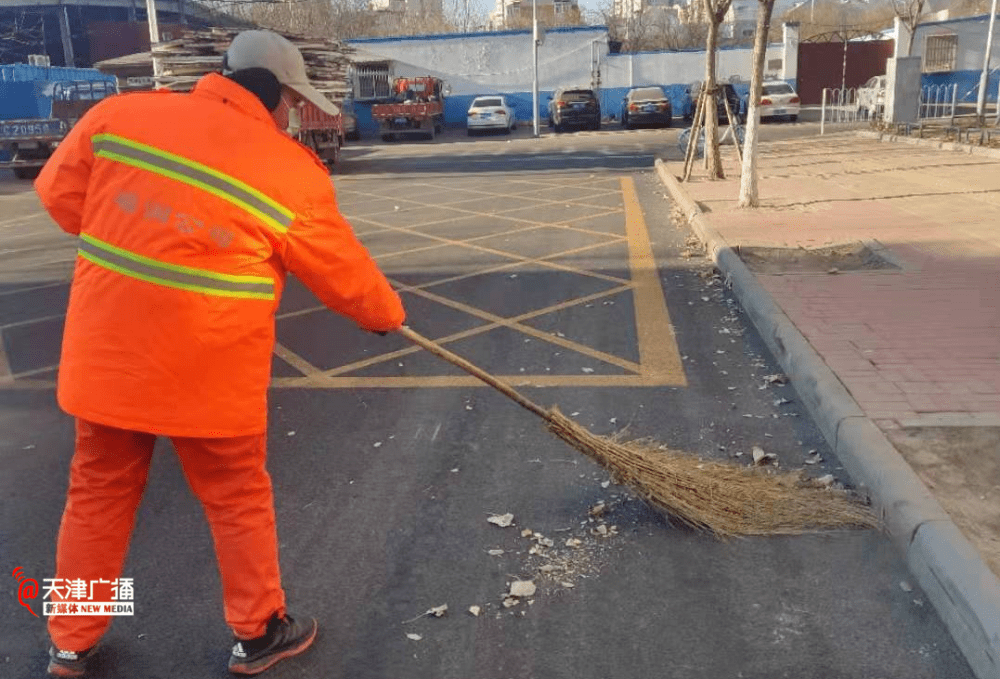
<point>107,479</point>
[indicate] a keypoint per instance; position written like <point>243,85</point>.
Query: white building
<point>514,13</point>
<point>415,8</point>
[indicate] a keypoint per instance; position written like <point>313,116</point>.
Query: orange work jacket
<point>190,208</point>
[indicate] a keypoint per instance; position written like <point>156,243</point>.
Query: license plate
<point>649,108</point>
<point>30,128</point>
<point>579,105</point>
<point>485,115</point>
<point>779,111</point>
<point>400,121</point>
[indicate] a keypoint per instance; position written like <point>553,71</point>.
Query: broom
<point>724,499</point>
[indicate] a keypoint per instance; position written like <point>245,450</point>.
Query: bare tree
<point>748,179</point>
<point>716,13</point>
<point>911,13</point>
<point>820,19</point>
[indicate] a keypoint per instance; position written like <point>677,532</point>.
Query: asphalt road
<point>528,257</point>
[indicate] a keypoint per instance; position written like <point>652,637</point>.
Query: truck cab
<point>27,143</point>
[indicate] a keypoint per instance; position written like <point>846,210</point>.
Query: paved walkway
<point>917,344</point>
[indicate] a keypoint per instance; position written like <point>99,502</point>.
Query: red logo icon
<point>28,587</point>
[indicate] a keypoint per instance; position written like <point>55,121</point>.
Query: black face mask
<point>261,82</point>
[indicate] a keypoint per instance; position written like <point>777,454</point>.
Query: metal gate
<point>824,65</point>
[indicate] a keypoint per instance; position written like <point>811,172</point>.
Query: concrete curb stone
<point>931,143</point>
<point>962,588</point>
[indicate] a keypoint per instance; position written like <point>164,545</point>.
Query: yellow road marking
<point>659,364</point>
<point>513,322</point>
<point>658,352</point>
<point>448,381</point>
<point>294,360</point>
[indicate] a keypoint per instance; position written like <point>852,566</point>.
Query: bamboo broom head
<point>725,499</point>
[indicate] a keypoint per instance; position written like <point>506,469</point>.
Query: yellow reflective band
<point>145,157</point>
<point>146,269</point>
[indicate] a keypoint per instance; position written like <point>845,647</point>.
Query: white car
<point>491,113</point>
<point>871,96</point>
<point>779,100</point>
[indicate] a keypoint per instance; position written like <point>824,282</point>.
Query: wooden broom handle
<point>473,370</point>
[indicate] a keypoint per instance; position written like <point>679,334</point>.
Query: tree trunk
<point>748,179</point>
<point>712,156</point>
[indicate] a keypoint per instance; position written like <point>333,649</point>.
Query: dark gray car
<point>646,106</point>
<point>574,108</point>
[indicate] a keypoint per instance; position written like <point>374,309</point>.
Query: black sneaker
<point>68,663</point>
<point>284,638</point>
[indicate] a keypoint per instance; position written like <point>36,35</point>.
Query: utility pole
<point>534,66</point>
<point>154,37</point>
<point>67,38</point>
<point>985,77</point>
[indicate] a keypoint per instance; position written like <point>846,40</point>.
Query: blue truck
<point>38,107</point>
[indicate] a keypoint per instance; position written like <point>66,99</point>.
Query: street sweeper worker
<point>190,209</point>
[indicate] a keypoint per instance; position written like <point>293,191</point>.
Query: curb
<point>931,143</point>
<point>963,590</point>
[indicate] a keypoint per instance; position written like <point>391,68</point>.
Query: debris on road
<point>760,458</point>
<point>522,589</point>
<point>475,610</point>
<point>502,520</point>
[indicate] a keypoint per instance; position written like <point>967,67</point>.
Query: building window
<point>372,82</point>
<point>939,53</point>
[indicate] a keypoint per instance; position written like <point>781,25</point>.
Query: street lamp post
<point>984,78</point>
<point>534,66</point>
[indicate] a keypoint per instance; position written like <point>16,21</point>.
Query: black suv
<point>574,108</point>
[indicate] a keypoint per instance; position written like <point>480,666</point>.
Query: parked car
<point>573,107</point>
<point>490,113</point>
<point>350,120</point>
<point>871,96</point>
<point>646,106</point>
<point>779,100</point>
<point>736,104</point>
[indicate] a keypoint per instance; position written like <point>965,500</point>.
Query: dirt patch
<point>831,259</point>
<point>961,466</point>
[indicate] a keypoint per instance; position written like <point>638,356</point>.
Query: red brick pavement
<point>917,345</point>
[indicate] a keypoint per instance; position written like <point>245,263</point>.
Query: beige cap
<point>267,49</point>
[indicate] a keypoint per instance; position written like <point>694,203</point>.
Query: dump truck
<point>416,108</point>
<point>27,143</point>
<point>321,132</point>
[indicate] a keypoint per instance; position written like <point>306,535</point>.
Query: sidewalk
<point>900,365</point>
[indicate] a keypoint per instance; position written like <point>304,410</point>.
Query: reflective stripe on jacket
<point>190,210</point>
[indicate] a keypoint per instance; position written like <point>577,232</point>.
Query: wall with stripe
<point>970,46</point>
<point>501,63</point>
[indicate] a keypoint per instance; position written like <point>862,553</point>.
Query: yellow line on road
<point>658,352</point>
<point>294,360</point>
<point>447,381</point>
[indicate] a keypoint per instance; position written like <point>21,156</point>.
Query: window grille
<point>939,52</point>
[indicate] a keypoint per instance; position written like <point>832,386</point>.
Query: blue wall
<point>968,83</point>
<point>457,106</point>
<point>26,91</point>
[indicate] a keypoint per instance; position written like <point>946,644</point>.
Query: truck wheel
<point>27,172</point>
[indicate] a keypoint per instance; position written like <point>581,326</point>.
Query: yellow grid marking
<point>660,362</point>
